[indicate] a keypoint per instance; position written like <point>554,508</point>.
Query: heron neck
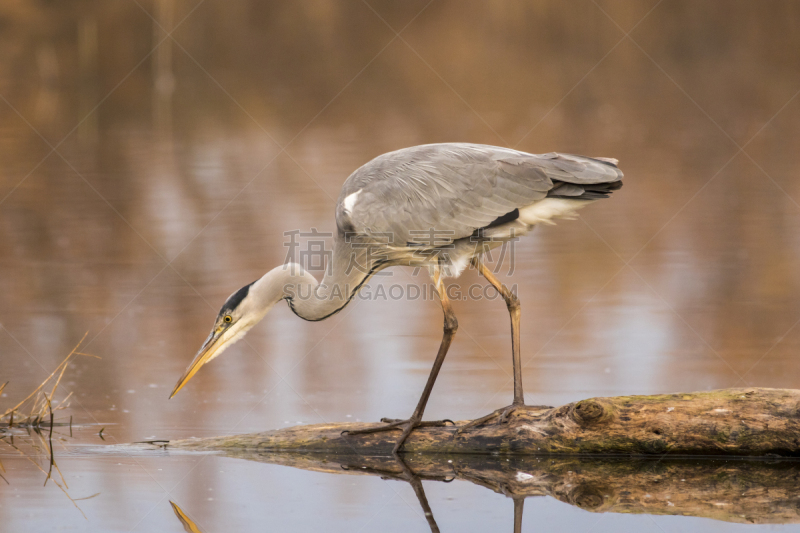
<point>345,274</point>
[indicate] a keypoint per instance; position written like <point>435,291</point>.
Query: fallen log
<point>732,422</point>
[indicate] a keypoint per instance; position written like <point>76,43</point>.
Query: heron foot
<point>502,415</point>
<point>406,426</point>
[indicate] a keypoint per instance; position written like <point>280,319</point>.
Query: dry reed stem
<point>42,406</point>
<point>50,440</point>
<point>41,402</point>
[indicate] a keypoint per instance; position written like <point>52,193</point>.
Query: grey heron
<point>438,206</point>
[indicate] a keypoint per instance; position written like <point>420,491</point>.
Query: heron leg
<point>416,484</point>
<point>414,479</point>
<point>450,328</point>
<point>512,302</point>
<point>519,505</point>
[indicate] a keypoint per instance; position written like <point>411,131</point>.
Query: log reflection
<point>731,490</point>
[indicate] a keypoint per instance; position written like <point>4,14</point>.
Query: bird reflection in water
<point>188,524</point>
<point>415,480</point>
<point>406,474</point>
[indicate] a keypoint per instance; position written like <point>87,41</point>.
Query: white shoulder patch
<point>350,201</point>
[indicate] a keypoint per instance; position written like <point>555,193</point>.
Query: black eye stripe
<point>236,298</point>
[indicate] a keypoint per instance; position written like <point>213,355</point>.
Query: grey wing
<point>448,191</point>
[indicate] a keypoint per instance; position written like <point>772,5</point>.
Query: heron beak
<point>203,356</point>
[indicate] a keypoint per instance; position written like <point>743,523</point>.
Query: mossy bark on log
<point>747,421</point>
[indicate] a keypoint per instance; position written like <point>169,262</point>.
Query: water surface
<point>145,177</point>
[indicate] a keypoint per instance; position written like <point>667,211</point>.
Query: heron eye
<point>227,318</point>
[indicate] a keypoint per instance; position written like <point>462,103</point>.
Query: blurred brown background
<point>146,175</point>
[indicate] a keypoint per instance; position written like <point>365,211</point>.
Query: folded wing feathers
<point>461,187</point>
<point>566,189</point>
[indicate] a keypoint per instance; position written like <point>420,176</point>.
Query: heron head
<point>241,311</point>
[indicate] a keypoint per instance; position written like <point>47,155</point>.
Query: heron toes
<point>391,424</point>
<point>501,414</point>
<point>407,426</point>
<point>397,423</point>
<point>421,424</point>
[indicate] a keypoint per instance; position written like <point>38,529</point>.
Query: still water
<point>155,155</point>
